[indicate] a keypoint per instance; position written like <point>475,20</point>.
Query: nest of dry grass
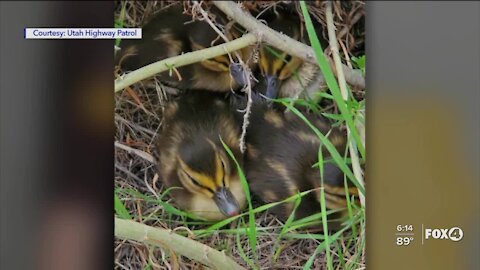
<point>138,114</point>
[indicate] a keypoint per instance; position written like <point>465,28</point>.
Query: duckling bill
<point>277,66</point>
<point>284,75</point>
<point>192,159</point>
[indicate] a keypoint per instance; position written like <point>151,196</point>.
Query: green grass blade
<point>290,219</point>
<point>341,256</point>
<point>321,247</point>
<point>120,208</point>
<point>252,232</point>
<point>168,207</point>
<point>257,210</point>
<point>286,226</point>
<point>330,147</point>
<point>120,22</point>
<point>242,253</point>
<point>330,78</point>
<point>323,208</point>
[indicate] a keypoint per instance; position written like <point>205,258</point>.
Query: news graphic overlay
<point>405,234</point>
<point>83,33</point>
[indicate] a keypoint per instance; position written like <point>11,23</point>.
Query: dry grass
<point>138,114</point>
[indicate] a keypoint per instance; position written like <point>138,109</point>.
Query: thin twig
<point>246,72</point>
<point>133,125</point>
<point>150,188</point>
<point>347,28</point>
<point>281,41</point>
<point>357,171</point>
<point>137,152</point>
<point>129,173</point>
<point>246,116</point>
<point>198,6</point>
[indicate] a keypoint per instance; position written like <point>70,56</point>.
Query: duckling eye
<point>216,65</point>
<point>188,180</point>
<point>288,58</point>
<point>293,63</point>
<point>196,183</point>
<point>223,60</point>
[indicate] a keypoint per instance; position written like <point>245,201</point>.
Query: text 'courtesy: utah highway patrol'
<point>83,33</point>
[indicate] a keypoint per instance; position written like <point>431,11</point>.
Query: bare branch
<point>281,41</point>
<point>146,156</point>
<point>182,60</point>
<point>129,229</point>
<point>357,171</point>
<point>247,73</point>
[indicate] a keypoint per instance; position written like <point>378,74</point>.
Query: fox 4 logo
<point>455,234</point>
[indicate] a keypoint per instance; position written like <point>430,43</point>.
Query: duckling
<point>170,33</point>
<point>286,75</point>
<point>279,162</point>
<point>192,158</point>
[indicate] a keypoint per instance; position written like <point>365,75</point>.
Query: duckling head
<point>216,73</point>
<point>223,69</point>
<point>277,66</point>
<point>207,174</point>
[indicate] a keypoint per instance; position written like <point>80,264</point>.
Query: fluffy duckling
<point>286,75</point>
<point>281,152</point>
<point>171,32</point>
<point>192,158</point>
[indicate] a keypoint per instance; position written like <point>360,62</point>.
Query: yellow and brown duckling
<point>192,158</point>
<point>284,75</point>
<point>171,32</point>
<point>279,163</point>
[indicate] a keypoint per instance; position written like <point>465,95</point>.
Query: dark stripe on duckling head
<point>199,155</point>
<point>198,184</point>
<point>195,182</point>
<point>277,66</point>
